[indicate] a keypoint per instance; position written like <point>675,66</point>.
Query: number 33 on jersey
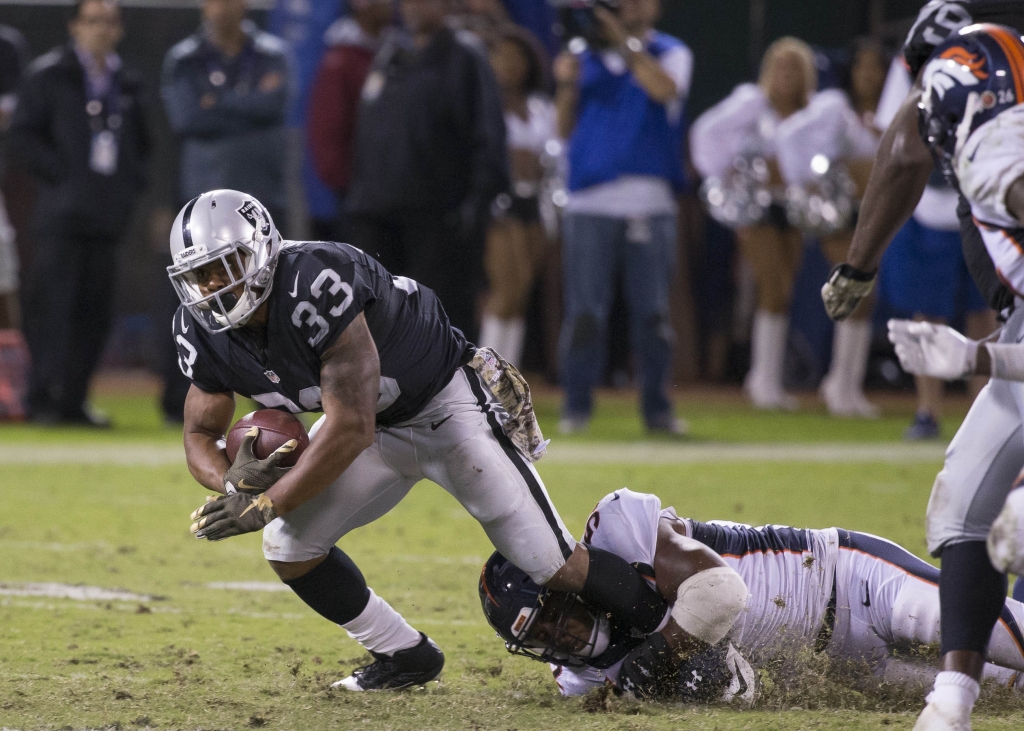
<point>318,290</point>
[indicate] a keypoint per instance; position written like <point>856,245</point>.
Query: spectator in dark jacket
<point>225,90</point>
<point>79,126</point>
<point>13,60</point>
<point>430,158</point>
<point>352,43</point>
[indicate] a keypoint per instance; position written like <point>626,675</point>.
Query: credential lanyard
<point>105,122</point>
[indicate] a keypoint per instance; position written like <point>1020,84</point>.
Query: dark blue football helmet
<point>549,626</point>
<point>968,80</point>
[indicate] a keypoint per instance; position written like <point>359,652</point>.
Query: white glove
<point>927,349</point>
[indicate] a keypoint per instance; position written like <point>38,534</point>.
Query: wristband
<point>851,272</point>
<point>1007,361</point>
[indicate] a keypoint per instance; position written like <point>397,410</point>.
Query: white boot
<point>504,336</point>
<point>763,384</point>
<point>1006,536</point>
<point>843,388</point>
<point>949,704</point>
<point>944,717</point>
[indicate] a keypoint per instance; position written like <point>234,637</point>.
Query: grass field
<point>173,652</point>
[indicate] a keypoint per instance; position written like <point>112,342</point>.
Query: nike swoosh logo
<point>295,290</point>
<point>183,328</point>
<point>434,425</point>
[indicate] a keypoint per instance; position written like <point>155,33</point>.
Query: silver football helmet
<point>233,230</point>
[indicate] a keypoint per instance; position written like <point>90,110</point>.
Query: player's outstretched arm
<point>898,179</point>
<point>207,418</point>
<point>349,384</point>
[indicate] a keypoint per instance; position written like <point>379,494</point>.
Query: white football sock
<point>954,689</point>
<point>763,383</point>
<point>515,332</point>
<point>843,387</point>
<point>505,336</point>
<point>490,332</point>
<point>381,629</point>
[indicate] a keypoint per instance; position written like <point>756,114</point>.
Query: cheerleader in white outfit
<point>838,128</point>
<point>744,127</point>
<point>516,241</point>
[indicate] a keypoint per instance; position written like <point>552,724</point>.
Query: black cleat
<point>414,666</point>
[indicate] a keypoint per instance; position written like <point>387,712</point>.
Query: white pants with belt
<point>982,461</point>
<point>457,442</point>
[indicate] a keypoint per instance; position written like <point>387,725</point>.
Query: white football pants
<point>888,599</point>
<point>457,442</point>
<point>982,461</point>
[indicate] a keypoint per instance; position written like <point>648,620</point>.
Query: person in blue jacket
<point>621,108</point>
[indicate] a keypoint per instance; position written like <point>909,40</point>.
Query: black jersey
<point>939,19</point>
<point>319,288</point>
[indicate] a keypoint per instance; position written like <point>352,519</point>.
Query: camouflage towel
<point>513,393</point>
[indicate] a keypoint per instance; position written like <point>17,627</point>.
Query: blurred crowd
<point>532,162</point>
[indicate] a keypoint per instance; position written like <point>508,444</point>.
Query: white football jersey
<point>990,162</point>
<point>789,572</point>
<point>827,126</point>
<point>741,124</point>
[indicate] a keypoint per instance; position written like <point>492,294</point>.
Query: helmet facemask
<point>559,629</point>
<point>246,264</point>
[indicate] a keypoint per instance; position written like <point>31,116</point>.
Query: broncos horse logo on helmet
<point>556,627</point>
<point>968,80</point>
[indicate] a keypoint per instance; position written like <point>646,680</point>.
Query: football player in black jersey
<point>971,590</point>
<point>314,326</point>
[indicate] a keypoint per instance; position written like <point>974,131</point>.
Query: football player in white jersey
<point>967,103</point>
<point>853,595</point>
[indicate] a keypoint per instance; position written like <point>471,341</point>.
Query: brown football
<point>276,428</point>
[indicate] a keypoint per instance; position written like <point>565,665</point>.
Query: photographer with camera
<point>620,95</point>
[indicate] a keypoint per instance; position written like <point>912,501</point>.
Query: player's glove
<point>705,676</point>
<point>927,349</point>
<point>650,670</point>
<point>251,475</point>
<point>844,290</point>
<point>232,515</point>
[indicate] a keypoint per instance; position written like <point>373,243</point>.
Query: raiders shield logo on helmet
<point>254,214</point>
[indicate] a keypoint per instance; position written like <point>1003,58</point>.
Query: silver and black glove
<point>251,475</point>
<point>844,289</point>
<point>232,515</point>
